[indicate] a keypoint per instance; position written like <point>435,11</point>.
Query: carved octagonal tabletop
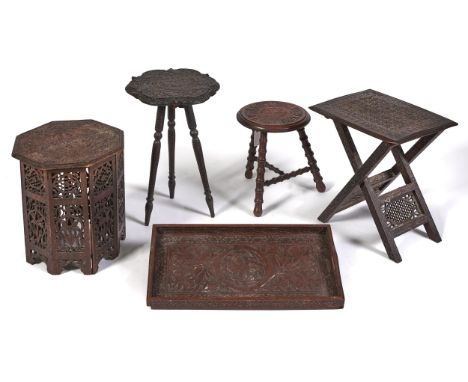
<point>384,117</point>
<point>67,144</point>
<point>273,116</point>
<point>173,87</point>
<point>243,267</point>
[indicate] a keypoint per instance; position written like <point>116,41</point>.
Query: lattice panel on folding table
<point>400,210</point>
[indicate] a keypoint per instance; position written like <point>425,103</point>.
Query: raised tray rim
<point>246,303</point>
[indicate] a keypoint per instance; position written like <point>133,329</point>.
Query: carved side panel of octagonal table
<point>72,176</point>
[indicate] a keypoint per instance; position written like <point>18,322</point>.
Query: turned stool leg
<point>154,161</point>
<point>171,141</point>
<point>260,175</point>
<point>311,160</point>
<point>251,157</point>
<point>197,148</point>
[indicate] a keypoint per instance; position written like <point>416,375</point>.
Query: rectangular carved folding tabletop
<point>394,122</point>
<point>243,267</point>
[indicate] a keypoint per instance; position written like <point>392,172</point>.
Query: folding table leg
<point>395,212</point>
<point>409,178</point>
<point>369,194</point>
<point>361,173</point>
<point>414,151</point>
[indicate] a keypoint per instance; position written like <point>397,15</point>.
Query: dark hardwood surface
<point>381,116</point>
<point>67,144</point>
<point>74,210</point>
<point>172,87</point>
<point>243,267</point>
<point>394,122</point>
<point>273,116</point>
<point>155,153</point>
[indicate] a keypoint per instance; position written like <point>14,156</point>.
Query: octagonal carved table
<point>72,175</point>
<point>171,89</point>
<point>393,122</point>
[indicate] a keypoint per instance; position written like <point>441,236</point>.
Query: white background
<point>405,322</point>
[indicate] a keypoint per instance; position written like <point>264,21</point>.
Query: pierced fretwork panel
<point>121,195</point>
<point>400,210</point>
<point>66,184</point>
<point>103,177</point>
<point>104,225</point>
<point>69,228</point>
<point>36,222</point>
<point>33,180</point>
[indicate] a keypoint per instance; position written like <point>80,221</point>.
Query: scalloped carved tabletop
<point>170,89</point>
<point>273,116</point>
<point>65,144</point>
<point>173,87</point>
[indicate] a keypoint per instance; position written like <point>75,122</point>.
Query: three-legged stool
<point>275,117</point>
<point>394,122</point>
<point>171,89</point>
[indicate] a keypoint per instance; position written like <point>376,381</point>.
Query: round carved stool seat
<point>275,117</point>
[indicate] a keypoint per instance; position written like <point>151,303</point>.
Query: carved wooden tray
<point>243,267</point>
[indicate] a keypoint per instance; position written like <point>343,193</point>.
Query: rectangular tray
<point>243,267</point>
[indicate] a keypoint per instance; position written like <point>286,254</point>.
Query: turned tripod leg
<point>171,141</point>
<point>251,157</point>
<point>154,161</point>
<point>260,174</point>
<point>311,160</point>
<point>197,148</point>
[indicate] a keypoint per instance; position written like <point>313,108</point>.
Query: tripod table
<point>171,89</point>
